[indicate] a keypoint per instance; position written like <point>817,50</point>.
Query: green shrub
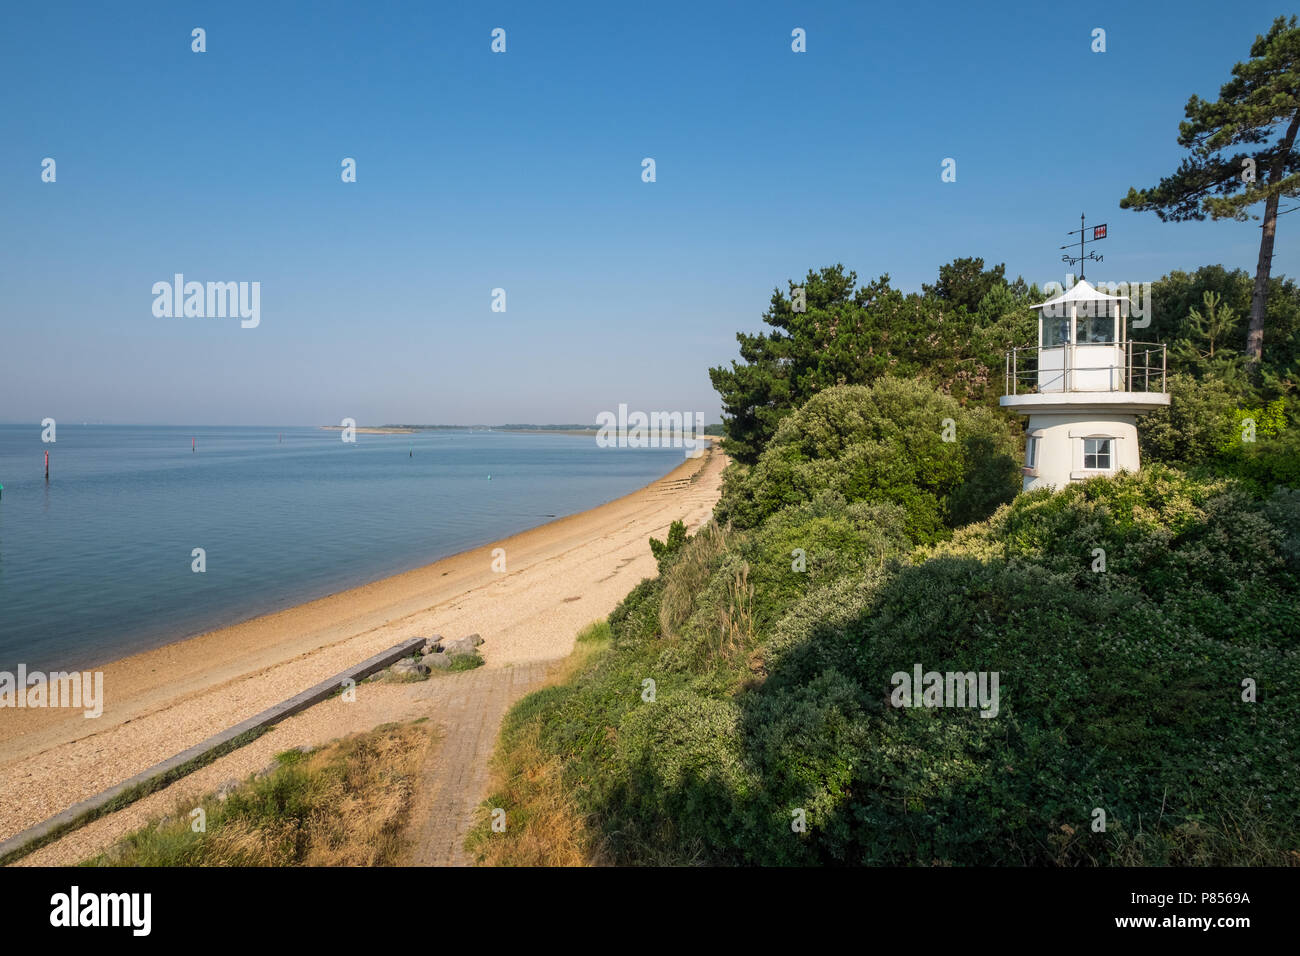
<point>466,662</point>
<point>809,545</point>
<point>1196,425</point>
<point>636,619</point>
<point>883,443</point>
<point>1255,424</point>
<point>1282,510</point>
<point>665,551</point>
<point>1267,463</point>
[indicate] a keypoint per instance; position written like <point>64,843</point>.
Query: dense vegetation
<point>1121,690</point>
<point>1143,627</point>
<point>898,441</point>
<point>955,333</point>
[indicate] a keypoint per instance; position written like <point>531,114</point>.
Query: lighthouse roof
<point>1081,291</point>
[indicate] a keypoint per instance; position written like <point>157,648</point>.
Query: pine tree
<point>1258,108</point>
<point>1201,348</point>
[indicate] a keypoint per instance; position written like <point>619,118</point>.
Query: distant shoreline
<point>549,431</point>
<point>511,430</point>
<point>368,430</point>
<point>412,430</point>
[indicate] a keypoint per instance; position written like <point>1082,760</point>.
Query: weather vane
<point>1098,232</point>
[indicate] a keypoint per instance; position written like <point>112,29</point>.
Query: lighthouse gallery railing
<point>1133,367</point>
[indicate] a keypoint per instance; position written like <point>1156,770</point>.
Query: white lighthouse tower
<point>1083,387</point>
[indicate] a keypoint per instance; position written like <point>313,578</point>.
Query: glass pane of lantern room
<point>1056,331</point>
<point>1096,329</point>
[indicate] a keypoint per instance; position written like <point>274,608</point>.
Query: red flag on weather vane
<point>1098,232</point>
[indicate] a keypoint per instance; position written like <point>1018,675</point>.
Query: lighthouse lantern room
<point>1083,387</point>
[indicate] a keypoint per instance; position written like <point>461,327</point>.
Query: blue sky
<point>523,171</point>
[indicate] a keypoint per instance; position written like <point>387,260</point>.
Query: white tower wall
<point>1060,448</point>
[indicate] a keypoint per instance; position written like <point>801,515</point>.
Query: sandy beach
<point>559,577</point>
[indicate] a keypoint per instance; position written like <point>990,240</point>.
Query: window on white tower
<point>1031,452</point>
<point>1097,454</point>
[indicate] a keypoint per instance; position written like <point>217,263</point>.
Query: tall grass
<point>688,574</point>
<point>544,825</point>
<point>737,614</point>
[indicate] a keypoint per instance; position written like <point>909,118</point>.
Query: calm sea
<point>96,564</point>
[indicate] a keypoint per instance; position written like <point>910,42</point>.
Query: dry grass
<point>737,614</point>
<point>344,804</point>
<point>545,827</point>
<point>688,574</point>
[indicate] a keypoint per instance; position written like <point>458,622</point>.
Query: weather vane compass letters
<point>1098,232</point>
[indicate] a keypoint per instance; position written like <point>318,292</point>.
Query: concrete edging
<point>268,717</point>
